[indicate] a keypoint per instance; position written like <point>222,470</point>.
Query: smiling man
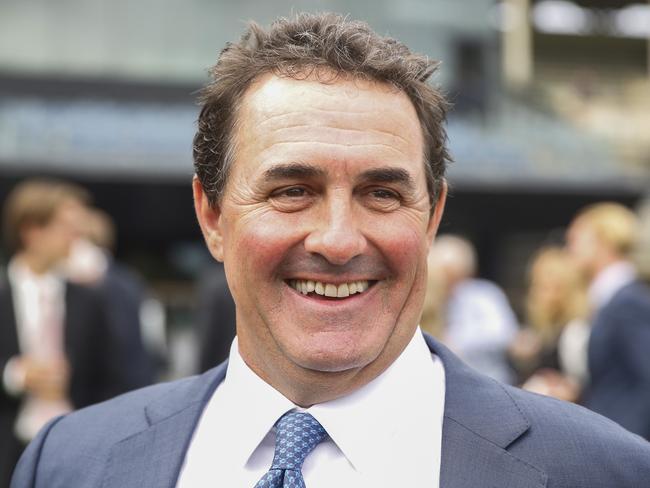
<point>320,159</point>
<point>324,226</point>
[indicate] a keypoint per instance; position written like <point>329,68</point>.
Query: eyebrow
<point>389,175</point>
<point>306,171</point>
<point>293,170</point>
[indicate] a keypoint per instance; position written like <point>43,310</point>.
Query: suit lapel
<point>8,327</point>
<point>481,420</point>
<point>153,457</point>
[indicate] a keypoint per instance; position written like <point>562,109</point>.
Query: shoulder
<point>636,292</point>
<point>80,292</point>
<point>78,446</point>
<point>565,439</point>
<point>571,446</point>
<point>104,424</point>
<point>119,275</point>
<point>632,303</point>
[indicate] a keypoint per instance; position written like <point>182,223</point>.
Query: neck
<point>306,387</point>
<point>605,262</point>
<point>34,263</point>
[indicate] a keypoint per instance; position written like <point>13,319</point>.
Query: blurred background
<point>552,112</point>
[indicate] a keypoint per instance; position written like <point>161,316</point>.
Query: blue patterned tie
<point>297,434</point>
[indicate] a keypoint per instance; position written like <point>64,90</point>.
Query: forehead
<point>346,120</point>
<point>581,226</point>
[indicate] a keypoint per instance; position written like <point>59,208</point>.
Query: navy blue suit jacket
<point>619,360</point>
<point>494,436</point>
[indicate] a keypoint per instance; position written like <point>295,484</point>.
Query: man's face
<point>52,242</point>
<point>583,246</point>
<point>324,225</point>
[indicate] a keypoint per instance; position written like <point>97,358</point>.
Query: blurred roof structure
<point>129,138</point>
<point>104,88</point>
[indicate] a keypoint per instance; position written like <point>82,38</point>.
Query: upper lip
<point>333,280</point>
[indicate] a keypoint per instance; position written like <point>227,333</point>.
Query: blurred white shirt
<point>39,308</point>
<point>480,325</point>
<point>609,281</point>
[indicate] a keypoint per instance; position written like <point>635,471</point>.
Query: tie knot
<point>297,434</point>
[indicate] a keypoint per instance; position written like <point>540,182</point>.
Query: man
<point>91,263</point>
<point>479,323</point>
<point>601,238</point>
<point>320,157</point>
<point>53,336</point>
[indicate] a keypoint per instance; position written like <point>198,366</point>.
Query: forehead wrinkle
<point>379,132</point>
<point>336,120</point>
<point>402,155</point>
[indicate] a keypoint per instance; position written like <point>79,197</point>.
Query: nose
<point>336,235</point>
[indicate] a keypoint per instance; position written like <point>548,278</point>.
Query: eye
<point>289,192</point>
<point>291,198</point>
<point>294,192</point>
<point>382,199</point>
<point>383,194</point>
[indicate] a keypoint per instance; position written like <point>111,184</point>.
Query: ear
<point>209,218</point>
<point>438,210</point>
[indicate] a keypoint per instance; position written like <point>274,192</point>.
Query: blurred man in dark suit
<point>215,318</point>
<point>601,238</point>
<point>54,340</point>
<point>91,263</point>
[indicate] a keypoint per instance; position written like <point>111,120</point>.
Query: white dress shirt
<point>609,281</point>
<point>387,433</point>
<point>39,308</point>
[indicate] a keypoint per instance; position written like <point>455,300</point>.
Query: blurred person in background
<point>53,334</point>
<point>215,318</point>
<point>433,309</point>
<point>550,353</point>
<point>478,323</point>
<point>601,238</point>
<point>91,263</point>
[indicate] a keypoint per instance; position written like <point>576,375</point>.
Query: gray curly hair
<point>308,45</point>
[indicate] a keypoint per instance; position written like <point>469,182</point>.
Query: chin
<point>335,360</point>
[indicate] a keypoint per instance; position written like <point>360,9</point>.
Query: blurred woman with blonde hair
<point>551,350</point>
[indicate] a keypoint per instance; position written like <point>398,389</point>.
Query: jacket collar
<point>481,420</point>
<point>153,458</point>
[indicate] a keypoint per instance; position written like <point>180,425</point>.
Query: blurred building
<point>552,112</point>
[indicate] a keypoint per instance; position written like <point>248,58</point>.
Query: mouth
<point>332,291</point>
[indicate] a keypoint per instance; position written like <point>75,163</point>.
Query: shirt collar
<point>20,275</point>
<point>243,392</point>
<point>372,439</point>
<point>609,281</point>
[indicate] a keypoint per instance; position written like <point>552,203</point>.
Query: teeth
<point>329,289</point>
<point>343,291</point>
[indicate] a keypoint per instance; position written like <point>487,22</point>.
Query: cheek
<point>255,247</point>
<point>404,248</point>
